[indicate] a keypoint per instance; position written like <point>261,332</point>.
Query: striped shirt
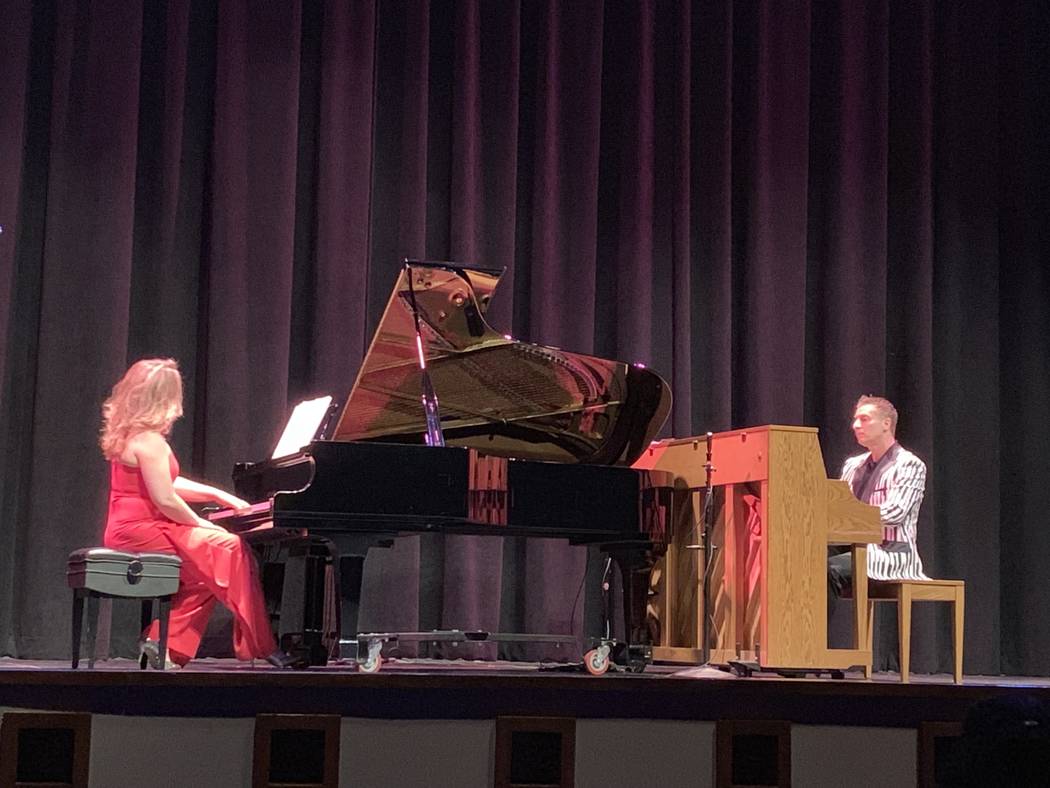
<point>895,484</point>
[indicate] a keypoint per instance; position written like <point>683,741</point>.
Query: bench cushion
<point>121,573</point>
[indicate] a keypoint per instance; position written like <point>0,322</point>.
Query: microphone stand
<point>431,409</point>
<point>707,524</point>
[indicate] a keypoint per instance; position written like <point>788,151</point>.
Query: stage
<point>468,689</point>
<point>467,723</point>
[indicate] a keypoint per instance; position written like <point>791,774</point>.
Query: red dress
<point>215,565</point>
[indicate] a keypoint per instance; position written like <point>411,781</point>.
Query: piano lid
<point>502,397</point>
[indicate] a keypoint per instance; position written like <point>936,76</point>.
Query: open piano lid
<point>502,397</point>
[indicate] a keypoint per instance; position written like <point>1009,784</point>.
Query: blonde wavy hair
<point>148,397</point>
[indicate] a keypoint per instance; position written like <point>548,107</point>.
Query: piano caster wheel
<point>597,660</point>
<point>374,661</point>
<point>370,665</point>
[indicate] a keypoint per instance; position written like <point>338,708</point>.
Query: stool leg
<point>92,626</point>
<point>146,616</point>
<point>164,610</point>
<point>78,624</point>
<point>958,610</point>
<point>105,623</point>
<point>904,625</point>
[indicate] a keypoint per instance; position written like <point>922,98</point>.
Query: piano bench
<point>96,573</point>
<point>903,593</point>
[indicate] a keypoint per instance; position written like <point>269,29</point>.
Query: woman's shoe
<point>283,660</point>
<point>149,654</point>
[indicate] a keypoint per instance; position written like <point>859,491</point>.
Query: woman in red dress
<point>148,513</point>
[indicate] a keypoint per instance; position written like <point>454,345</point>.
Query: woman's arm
<point>190,490</point>
<point>151,453</point>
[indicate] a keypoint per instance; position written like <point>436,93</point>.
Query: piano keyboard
<point>255,516</point>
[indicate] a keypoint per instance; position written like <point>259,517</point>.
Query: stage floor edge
<point>443,689</point>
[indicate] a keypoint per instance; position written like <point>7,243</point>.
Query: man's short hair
<point>882,406</point>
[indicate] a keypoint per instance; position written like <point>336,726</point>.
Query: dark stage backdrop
<point>777,205</point>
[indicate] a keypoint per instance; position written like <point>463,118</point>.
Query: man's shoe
<point>283,660</point>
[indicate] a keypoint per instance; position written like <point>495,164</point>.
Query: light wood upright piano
<point>776,514</point>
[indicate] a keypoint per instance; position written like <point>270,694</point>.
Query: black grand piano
<point>537,442</point>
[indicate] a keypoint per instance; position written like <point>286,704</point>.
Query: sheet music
<point>302,426</point>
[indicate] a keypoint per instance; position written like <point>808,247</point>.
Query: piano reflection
<point>538,442</point>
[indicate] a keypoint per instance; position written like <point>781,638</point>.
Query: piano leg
<point>301,627</point>
<point>351,573</point>
<point>296,572</point>
<point>351,551</point>
<point>636,565</point>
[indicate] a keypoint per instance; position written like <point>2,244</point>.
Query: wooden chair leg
<point>958,615</point>
<point>869,637</point>
<point>904,626</point>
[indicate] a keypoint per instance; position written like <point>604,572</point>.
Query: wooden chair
<point>904,592</point>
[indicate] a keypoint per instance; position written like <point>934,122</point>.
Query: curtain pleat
<point>85,277</point>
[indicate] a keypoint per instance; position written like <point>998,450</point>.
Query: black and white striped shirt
<point>896,485</point>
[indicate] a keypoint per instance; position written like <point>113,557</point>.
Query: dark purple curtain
<point>778,206</point>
